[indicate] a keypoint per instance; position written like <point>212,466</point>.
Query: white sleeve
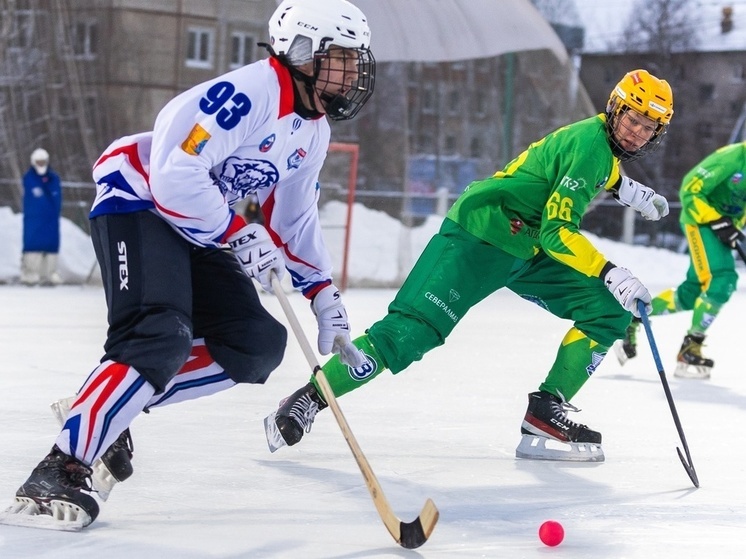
<point>293,221</point>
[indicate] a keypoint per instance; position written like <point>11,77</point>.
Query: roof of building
<point>448,30</point>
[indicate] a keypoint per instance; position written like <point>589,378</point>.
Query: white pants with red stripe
<point>115,393</point>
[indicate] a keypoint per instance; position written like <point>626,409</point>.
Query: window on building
<point>679,72</point>
<point>22,30</point>
<point>454,101</point>
<point>242,49</point>
<point>475,148</point>
<point>199,47</point>
<point>428,98</point>
<point>84,39</point>
<point>706,92</point>
<point>480,104</point>
<point>450,144</point>
<point>703,130</point>
<point>425,143</point>
<point>739,74</point>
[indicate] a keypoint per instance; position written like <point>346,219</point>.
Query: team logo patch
<point>267,143</point>
<point>366,370</point>
<point>245,176</point>
<point>573,184</point>
<point>596,359</point>
<point>442,305</point>
<point>735,179</point>
<point>195,142</point>
<point>296,159</point>
<point>707,319</point>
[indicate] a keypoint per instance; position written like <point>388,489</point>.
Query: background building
<point>75,74</point>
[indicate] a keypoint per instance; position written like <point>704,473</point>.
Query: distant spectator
<point>42,204</point>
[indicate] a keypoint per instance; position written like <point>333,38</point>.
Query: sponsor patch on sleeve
<point>195,142</point>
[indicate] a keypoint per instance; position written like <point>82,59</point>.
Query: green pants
<point>454,273</point>
<point>709,283</point>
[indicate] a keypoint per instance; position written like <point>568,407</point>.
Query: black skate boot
<point>627,348</point>
<point>293,418</point>
<point>118,457</point>
<point>690,362</point>
<point>546,419</point>
<point>115,464</point>
<point>59,487</point>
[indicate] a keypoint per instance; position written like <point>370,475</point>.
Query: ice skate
<point>294,417</point>
<point>115,464</point>
<point>56,496</point>
<point>690,363</point>
<point>547,434</point>
<point>626,348</point>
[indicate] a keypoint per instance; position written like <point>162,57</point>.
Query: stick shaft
<point>415,533</point>
<point>688,464</point>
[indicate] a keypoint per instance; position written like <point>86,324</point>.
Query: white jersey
<point>212,146</point>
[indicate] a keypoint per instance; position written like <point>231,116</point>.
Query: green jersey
<point>716,187</point>
<point>548,188</point>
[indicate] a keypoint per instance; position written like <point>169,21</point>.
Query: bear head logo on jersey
<point>245,176</point>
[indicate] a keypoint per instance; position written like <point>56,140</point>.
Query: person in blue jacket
<point>42,205</point>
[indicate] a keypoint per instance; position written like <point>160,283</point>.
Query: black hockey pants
<point>161,291</point>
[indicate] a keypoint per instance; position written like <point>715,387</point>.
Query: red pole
<point>354,151</point>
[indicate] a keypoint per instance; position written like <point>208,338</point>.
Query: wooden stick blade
<point>414,534</point>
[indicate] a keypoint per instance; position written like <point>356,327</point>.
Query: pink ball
<point>551,533</point>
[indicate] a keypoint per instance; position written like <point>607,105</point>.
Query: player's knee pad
<point>157,346</point>
<point>247,357</point>
<point>721,288</point>
<point>607,328</point>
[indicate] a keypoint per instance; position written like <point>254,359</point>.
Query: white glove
<point>651,206</point>
<point>257,254</point>
<point>628,289</point>
<point>334,330</point>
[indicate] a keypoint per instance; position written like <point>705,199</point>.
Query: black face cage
<point>619,152</point>
<point>346,104</point>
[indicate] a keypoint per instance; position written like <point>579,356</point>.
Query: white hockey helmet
<point>299,29</point>
<point>303,31</point>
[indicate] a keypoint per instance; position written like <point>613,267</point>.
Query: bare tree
<point>660,26</point>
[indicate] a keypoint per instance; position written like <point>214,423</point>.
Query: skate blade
<point>61,516</point>
<point>534,447</point>
<point>684,370</point>
<point>102,480</point>
<point>621,356</point>
<point>274,437</point>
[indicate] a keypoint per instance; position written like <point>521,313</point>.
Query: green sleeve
<point>716,187</point>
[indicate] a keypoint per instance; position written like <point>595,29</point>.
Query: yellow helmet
<point>647,95</point>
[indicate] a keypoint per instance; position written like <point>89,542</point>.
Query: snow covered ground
<point>205,484</point>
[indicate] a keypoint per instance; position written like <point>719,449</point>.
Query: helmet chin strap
<point>309,86</point>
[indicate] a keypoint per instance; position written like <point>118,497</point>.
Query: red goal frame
<point>353,150</point>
